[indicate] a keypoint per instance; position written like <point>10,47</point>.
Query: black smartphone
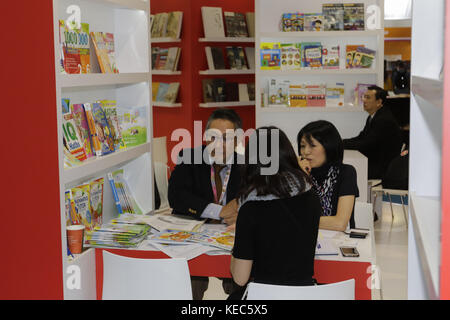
<point>349,252</point>
<point>359,235</point>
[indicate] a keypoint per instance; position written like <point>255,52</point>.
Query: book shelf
<point>428,238</point>
<point>348,119</point>
<point>128,21</point>
<point>227,104</point>
<point>227,39</point>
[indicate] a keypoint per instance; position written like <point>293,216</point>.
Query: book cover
<point>96,201</point>
<point>354,16</point>
<point>172,92</point>
<point>292,22</point>
<point>313,22</point>
<point>171,58</point>
<point>330,56</point>
<point>154,25</point>
<point>316,95</point>
<point>128,202</point>
<point>65,104</point>
<point>115,193</point>
<point>110,109</point>
<point>363,58</point>
<point>232,60</point>
<point>297,95</point>
<point>161,59</point>
<point>84,48</point>
<point>96,146</point>
<point>81,198</point>
<point>103,130</point>
<point>209,58</point>
<point>133,125</point>
<point>335,95</point>
<point>232,91</point>
<point>251,91</point>
<point>242,93</point>
<point>350,51</point>
<point>220,239</point>
<point>174,22</point>
<point>207,85</point>
<point>172,236</point>
<point>270,55</point>
<point>333,14</point>
<point>250,55</point>
<point>83,129</point>
<point>278,92</point>
<point>239,55</point>
<point>155,87</point>
<point>162,91</point>
<point>160,25</point>
<point>235,23</point>
<point>219,90</point>
<point>218,58</point>
<point>70,50</point>
<point>213,22</point>
<point>250,20</point>
<point>311,55</point>
<point>67,209</point>
<point>290,56</point>
<point>73,141</point>
<point>101,52</point>
<point>110,49</point>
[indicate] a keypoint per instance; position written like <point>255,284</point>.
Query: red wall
<point>193,59</point>
<point>31,264</point>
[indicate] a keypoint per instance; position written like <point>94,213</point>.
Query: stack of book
<point>165,58</point>
<point>235,57</point>
<point>218,90</point>
<point>236,24</point>
<point>334,17</point>
<point>123,197</point>
<point>165,92</point>
<point>166,24</point>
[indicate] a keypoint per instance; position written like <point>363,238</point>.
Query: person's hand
<point>304,165</point>
<point>231,228</point>
<point>229,212</point>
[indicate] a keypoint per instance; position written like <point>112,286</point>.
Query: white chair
<point>145,279</point>
<point>161,170</point>
<point>379,191</point>
<point>344,290</point>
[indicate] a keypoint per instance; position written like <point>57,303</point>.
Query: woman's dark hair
<point>288,176</point>
<point>328,136</point>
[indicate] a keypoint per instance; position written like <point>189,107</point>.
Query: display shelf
<point>164,40</point>
<point>274,73</point>
<point>90,167</point>
<point>227,104</point>
<point>226,72</point>
<point>126,4</point>
<point>99,79</point>
<point>161,104</point>
<point>320,34</point>
<point>226,39</point>
<point>346,108</point>
<point>430,90</point>
<point>166,72</point>
<point>426,218</point>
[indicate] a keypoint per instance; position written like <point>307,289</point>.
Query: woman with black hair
<point>278,220</point>
<point>321,152</point>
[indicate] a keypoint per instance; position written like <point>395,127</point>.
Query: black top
<point>280,237</point>
<point>190,189</point>
<point>346,185</point>
<point>380,142</point>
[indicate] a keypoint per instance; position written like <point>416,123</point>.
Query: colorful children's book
<point>330,56</point>
<point>110,109</point>
<point>335,95</point>
<point>311,55</point>
<point>103,131</point>
<point>218,239</point>
<point>93,134</point>
<point>354,16</point>
<point>110,49</point>
<point>292,22</point>
<point>104,49</point>
<point>72,138</point>
<point>297,95</point>
<point>69,49</point>
<point>172,237</point>
<point>270,56</point>
<point>96,201</point>
<point>133,125</point>
<point>333,14</point>
<point>84,48</point>
<point>290,56</point>
<point>350,54</point>
<point>83,129</point>
<point>127,201</point>
<point>316,95</point>
<point>115,193</point>
<point>313,22</point>
<point>65,103</point>
<point>363,58</point>
<point>81,198</point>
<point>278,92</point>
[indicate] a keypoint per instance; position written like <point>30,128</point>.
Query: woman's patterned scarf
<point>326,188</point>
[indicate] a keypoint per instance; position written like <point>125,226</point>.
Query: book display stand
<point>128,21</point>
<point>349,118</point>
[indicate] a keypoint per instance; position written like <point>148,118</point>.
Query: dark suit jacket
<point>190,189</point>
<point>380,142</point>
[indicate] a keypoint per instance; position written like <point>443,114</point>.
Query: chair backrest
<point>364,215</point>
<point>161,170</point>
<point>145,279</point>
<point>344,290</point>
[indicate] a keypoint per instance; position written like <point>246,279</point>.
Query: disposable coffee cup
<point>75,238</point>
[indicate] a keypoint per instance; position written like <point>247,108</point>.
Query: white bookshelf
<point>426,143</point>
<point>349,120</point>
<point>128,20</point>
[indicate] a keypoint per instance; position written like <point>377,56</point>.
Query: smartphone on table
<point>349,252</point>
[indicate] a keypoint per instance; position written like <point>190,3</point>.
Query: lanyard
<point>224,185</point>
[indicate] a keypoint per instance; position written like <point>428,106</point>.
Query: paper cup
<point>75,238</point>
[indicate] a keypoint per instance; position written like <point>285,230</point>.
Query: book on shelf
<point>172,92</point>
<point>218,58</point>
<point>290,56</point>
<point>83,129</point>
<point>335,95</point>
<point>65,105</point>
<point>236,58</point>
<point>70,61</point>
<point>207,86</point>
<point>103,130</point>
<point>69,159</point>
<point>235,23</point>
<point>363,58</point>
<point>233,91</point>
<point>354,16</point>
<point>152,19</point>
<point>297,95</point>
<point>105,51</point>
<point>250,55</point>
<point>174,23</point>
<point>359,91</point>
<point>278,92</point>
<point>316,95</point>
<point>209,58</point>
<point>313,22</point>
<point>120,188</point>
<point>270,56</point>
<point>242,93</point>
<point>330,56</point>
<point>251,91</point>
<point>155,52</point>
<point>84,48</point>
<point>213,22</point>
<point>133,124</point>
<point>219,90</point>
<point>72,138</point>
<point>172,59</point>
<point>155,87</point>
<point>81,198</point>
<point>333,14</point>
<point>292,22</point>
<point>161,59</point>
<point>110,109</point>
<point>350,51</point>
<point>162,91</point>
<point>159,25</point>
<point>250,21</point>
<point>311,55</point>
<point>96,201</point>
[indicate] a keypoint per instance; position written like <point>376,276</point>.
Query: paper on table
<point>189,251</point>
<point>326,247</point>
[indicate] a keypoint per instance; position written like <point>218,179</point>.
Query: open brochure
<point>174,222</point>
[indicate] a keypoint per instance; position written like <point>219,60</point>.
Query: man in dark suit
<point>380,140</point>
<point>206,179</point>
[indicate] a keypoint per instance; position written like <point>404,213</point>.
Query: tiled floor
<point>391,238</point>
